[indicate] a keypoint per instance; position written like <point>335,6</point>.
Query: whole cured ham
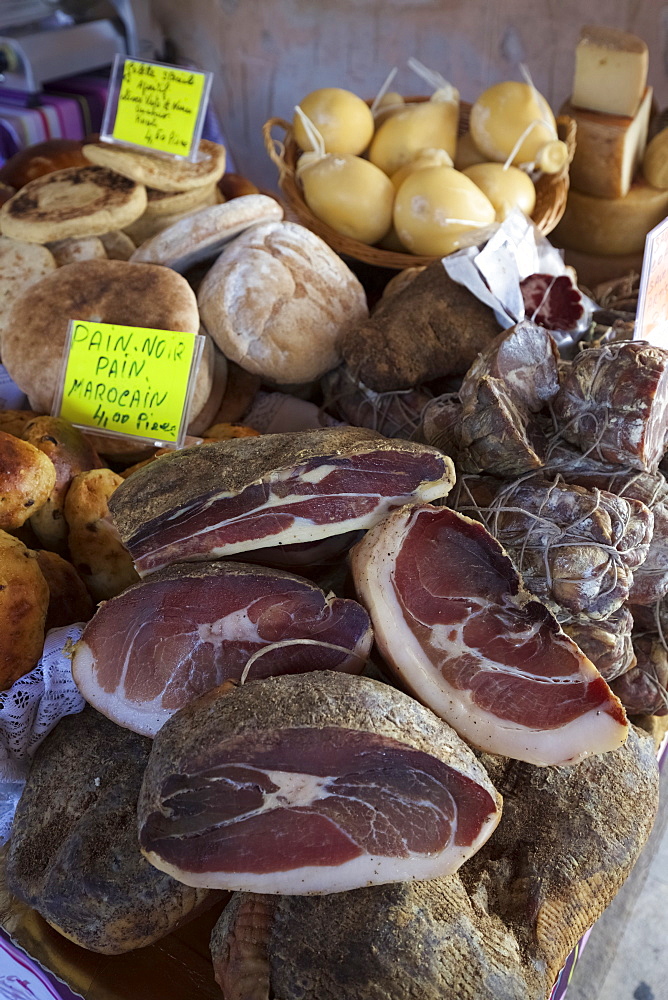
<point>74,855</point>
<point>451,617</point>
<point>500,928</point>
<point>612,403</point>
<point>193,626</point>
<point>311,783</point>
<point>215,500</point>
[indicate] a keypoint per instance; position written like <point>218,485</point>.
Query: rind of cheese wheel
<point>655,160</point>
<point>610,70</point>
<point>611,226</point>
<point>609,149</point>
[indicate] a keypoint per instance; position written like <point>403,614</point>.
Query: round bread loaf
<point>105,291</point>
<point>278,301</point>
<point>166,173</point>
<point>77,201</point>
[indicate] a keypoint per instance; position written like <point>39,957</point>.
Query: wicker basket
<point>551,192</point>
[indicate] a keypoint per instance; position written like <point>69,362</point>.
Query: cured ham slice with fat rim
<point>311,783</point>
<point>216,500</point>
<point>193,626</point>
<point>452,619</point>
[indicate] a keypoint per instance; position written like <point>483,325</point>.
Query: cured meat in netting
<point>318,782</point>
<point>394,414</point>
<point>216,500</point>
<point>606,641</point>
<point>612,403</point>
<point>650,580</point>
<point>576,549</point>
<point>525,358</point>
<point>452,619</point>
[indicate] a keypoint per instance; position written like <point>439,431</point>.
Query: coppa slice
<point>191,627</point>
<point>311,783</point>
<point>217,499</point>
<point>451,617</point>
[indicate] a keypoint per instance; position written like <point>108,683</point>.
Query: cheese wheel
<point>342,118</point>
<point>349,194</point>
<point>506,187</point>
<point>611,226</point>
<point>436,211</point>
<point>609,149</point>
<point>655,161</point>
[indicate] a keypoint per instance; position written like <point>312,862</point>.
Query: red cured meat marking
<point>378,796</point>
<point>515,664</point>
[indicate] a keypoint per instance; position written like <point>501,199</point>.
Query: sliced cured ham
<point>191,627</point>
<point>312,783</point>
<point>452,618</point>
<point>219,499</point>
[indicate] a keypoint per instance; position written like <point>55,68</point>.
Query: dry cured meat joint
<point>333,528</point>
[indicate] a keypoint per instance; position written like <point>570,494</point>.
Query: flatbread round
<point>160,203</point>
<point>21,264</point>
<point>202,235</point>
<point>77,248</point>
<point>105,291</point>
<point>117,245</point>
<point>76,201</point>
<point>161,172</point>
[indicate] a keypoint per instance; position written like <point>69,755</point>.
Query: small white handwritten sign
<point>652,316</point>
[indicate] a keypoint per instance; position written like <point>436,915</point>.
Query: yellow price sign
<point>128,380</point>
<point>156,106</point>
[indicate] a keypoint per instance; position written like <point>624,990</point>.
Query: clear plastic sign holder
<point>652,315</point>
<point>128,382</point>
<point>156,107</point>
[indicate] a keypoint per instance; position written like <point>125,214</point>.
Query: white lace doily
<point>28,712</point>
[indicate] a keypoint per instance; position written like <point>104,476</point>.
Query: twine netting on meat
<point>543,522</point>
<point>396,414</point>
<point>647,666</point>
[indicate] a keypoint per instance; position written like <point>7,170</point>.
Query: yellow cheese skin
<point>609,226</point>
<point>609,149</point>
<point>655,162</point>
<point>610,71</point>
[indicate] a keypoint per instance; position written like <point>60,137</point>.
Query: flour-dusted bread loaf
<point>104,291</point>
<point>279,301</point>
<point>74,854</point>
